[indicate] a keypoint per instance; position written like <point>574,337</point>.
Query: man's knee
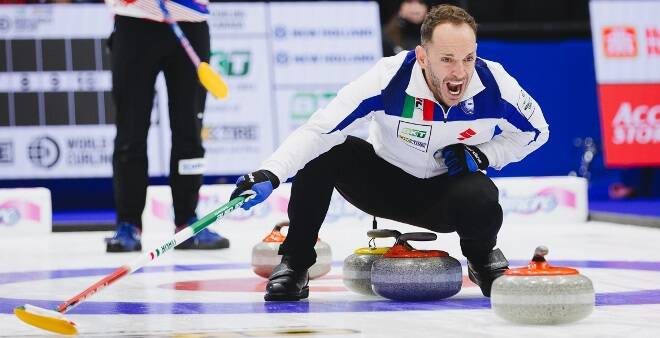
<point>474,190</point>
<point>476,207</point>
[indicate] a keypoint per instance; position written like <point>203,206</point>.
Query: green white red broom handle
<point>144,259</point>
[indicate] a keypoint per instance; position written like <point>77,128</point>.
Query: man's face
<point>448,61</point>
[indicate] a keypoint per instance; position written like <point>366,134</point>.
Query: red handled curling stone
<point>416,275</point>
<point>265,257</point>
<point>357,267</point>
<point>542,294</point>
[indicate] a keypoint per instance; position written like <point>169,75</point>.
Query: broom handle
<point>179,34</point>
<point>179,237</point>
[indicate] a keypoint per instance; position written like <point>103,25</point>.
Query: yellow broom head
<point>212,81</point>
<point>48,320</point>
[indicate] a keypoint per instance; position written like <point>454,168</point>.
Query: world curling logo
<point>44,152</point>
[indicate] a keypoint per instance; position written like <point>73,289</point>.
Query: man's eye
<point>469,59</point>
<point>445,59</point>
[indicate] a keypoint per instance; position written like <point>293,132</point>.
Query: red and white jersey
<point>180,10</point>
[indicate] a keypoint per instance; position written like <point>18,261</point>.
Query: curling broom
<point>209,78</point>
<point>55,321</point>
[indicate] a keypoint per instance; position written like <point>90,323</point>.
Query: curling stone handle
<point>383,233</point>
<point>278,227</point>
<point>417,236</point>
<point>540,253</point>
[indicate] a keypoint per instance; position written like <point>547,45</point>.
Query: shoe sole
<point>202,247</point>
<point>118,248</point>
<point>304,293</point>
<point>223,244</point>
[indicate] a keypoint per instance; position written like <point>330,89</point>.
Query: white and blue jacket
<point>407,125</point>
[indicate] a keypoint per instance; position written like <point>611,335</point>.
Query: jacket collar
<point>417,86</point>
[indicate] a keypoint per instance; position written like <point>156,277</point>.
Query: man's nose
<point>458,70</point>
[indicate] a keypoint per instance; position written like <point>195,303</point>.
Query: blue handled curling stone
<point>265,256</point>
<point>542,294</point>
<point>408,274</point>
<point>357,267</point>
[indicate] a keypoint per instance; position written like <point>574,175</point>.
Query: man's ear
<point>420,53</point>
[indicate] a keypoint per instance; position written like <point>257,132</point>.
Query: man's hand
<point>261,183</point>
<point>462,159</point>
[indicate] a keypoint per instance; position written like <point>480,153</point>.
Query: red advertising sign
<point>630,120</point>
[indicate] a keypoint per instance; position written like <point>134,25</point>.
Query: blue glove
<point>261,183</point>
<point>462,159</point>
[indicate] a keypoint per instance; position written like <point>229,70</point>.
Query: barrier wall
<point>524,200</point>
<point>25,211</point>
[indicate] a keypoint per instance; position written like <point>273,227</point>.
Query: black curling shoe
<point>287,284</point>
<point>483,274</point>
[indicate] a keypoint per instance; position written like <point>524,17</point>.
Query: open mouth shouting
<point>454,91</point>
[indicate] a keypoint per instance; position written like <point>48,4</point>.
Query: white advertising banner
<point>524,200</point>
<point>324,42</point>
<point>229,18</point>
<point>530,200</point>
<point>25,211</point>
<point>626,40</point>
<point>158,211</point>
<point>295,106</point>
<point>60,21</point>
<point>63,151</point>
<point>238,131</point>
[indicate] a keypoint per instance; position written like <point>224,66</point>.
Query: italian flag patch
<point>411,104</point>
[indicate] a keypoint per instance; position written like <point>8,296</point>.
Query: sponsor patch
<point>526,105</point>
<point>192,166</point>
<point>414,135</point>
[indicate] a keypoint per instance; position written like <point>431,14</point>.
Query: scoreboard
<point>55,82</point>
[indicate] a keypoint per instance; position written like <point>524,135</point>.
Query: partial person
<point>141,46</point>
<point>402,31</point>
<point>440,116</point>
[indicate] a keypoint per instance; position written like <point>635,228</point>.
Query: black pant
<point>140,49</point>
<point>466,204</point>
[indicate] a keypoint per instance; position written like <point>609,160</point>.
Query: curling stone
<point>416,275</point>
<point>542,294</point>
<point>265,256</point>
<point>357,267</point>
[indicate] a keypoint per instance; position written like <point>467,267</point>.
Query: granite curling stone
<point>356,273</point>
<point>265,256</point>
<point>542,294</point>
<point>408,274</point>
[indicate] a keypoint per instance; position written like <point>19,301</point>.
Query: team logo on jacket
<point>414,135</point>
<point>526,105</point>
<point>467,106</point>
